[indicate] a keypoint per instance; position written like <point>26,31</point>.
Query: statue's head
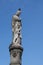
<point>19,9</point>
<point>18,12</point>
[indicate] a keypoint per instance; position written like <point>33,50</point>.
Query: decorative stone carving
<point>14,54</point>
<point>16,28</point>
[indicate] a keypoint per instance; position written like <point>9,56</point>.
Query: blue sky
<point>32,30</point>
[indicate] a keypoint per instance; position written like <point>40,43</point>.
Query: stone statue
<point>16,28</point>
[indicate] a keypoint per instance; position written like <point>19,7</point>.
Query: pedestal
<point>15,54</point>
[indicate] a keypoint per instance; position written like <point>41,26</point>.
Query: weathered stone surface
<point>15,47</point>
